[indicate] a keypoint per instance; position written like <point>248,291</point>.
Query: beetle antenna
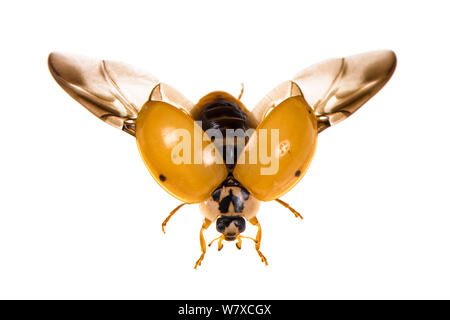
<point>284,204</point>
<point>242,91</point>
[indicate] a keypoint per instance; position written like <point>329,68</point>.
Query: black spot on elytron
<point>216,195</point>
<point>162,177</point>
<point>245,193</point>
<point>297,173</point>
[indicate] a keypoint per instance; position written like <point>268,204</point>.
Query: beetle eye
<point>220,225</point>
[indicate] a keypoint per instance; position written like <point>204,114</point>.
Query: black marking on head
<point>245,194</point>
<point>297,173</point>
<point>162,177</point>
<point>216,195</point>
<point>239,222</point>
<point>224,221</point>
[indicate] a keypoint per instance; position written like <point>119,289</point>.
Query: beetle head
<point>230,226</point>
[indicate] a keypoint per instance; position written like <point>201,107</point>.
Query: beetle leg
<point>209,245</point>
<point>170,216</point>
<point>254,221</point>
<point>284,204</point>
<point>220,245</point>
<point>205,226</point>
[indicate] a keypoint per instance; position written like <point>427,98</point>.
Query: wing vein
<point>117,92</point>
<point>328,93</point>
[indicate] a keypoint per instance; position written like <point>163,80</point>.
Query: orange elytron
<point>217,153</point>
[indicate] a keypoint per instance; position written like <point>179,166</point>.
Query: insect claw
<point>284,204</point>
<point>199,261</point>
<point>263,259</point>
<point>170,216</point>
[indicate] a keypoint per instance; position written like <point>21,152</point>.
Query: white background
<point>80,216</point>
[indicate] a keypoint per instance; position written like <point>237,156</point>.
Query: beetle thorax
<point>230,201</point>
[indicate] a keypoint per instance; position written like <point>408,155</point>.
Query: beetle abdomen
<point>222,112</point>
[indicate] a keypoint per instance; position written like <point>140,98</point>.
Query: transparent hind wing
<point>112,91</point>
<point>334,88</point>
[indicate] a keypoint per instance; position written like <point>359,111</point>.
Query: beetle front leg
<point>206,224</point>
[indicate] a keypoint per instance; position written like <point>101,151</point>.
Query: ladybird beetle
<point>216,153</point>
